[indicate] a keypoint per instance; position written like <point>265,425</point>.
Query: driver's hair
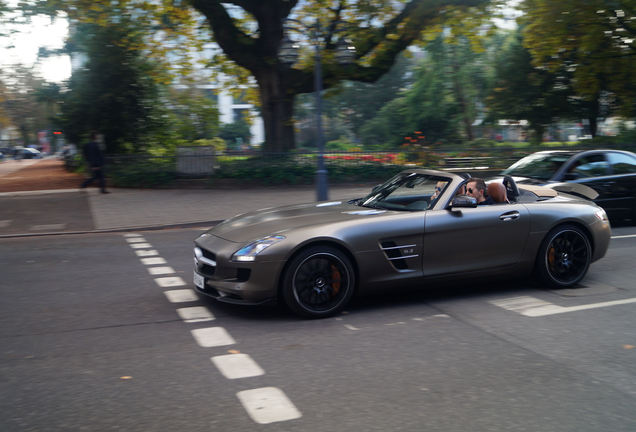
<point>480,184</point>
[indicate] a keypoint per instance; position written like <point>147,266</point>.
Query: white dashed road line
<point>195,314</point>
<point>170,281</point>
<point>234,366</point>
<point>146,252</point>
<point>533,307</point>
<point>135,240</point>
<point>140,245</point>
<point>153,261</point>
<point>263,405</point>
<point>268,405</point>
<point>212,337</point>
<point>160,270</point>
<point>181,296</point>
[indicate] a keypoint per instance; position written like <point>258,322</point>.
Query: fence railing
<point>300,167</point>
<point>206,163</point>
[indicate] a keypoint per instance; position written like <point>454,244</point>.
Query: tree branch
<point>239,46</point>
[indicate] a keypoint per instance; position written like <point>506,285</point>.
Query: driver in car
<point>476,188</point>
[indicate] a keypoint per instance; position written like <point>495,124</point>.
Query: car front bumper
<point>217,276</point>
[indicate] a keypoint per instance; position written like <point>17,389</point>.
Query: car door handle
<point>512,215</point>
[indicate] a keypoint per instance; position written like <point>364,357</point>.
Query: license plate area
<point>199,281</point>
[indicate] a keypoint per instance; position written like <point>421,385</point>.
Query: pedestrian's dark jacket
<point>93,155</point>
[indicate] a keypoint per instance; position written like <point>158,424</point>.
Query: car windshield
<point>538,166</point>
<point>407,192</point>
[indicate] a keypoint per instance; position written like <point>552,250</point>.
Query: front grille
<point>207,254</point>
<point>205,261</point>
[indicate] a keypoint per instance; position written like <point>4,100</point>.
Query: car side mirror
<point>464,201</point>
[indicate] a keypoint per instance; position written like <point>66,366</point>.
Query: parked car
<point>411,229</point>
<point>30,153</point>
<point>611,173</point>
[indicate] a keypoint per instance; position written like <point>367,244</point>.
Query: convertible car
<point>414,228</point>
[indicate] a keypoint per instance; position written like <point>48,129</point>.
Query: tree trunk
<point>277,110</point>
<point>460,97</point>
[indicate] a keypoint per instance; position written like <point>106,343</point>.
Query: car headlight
<point>249,252</point>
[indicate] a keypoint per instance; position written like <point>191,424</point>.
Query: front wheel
<point>564,256</point>
<point>318,282</point>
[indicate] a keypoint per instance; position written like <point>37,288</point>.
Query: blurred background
<point>210,90</point>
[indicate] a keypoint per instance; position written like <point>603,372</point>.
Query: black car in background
<point>611,173</point>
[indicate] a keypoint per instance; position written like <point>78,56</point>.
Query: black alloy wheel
<point>318,282</point>
<point>564,256</point>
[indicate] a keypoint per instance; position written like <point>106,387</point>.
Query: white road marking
<point>195,314</point>
<point>554,309</point>
<point>264,405</point>
<point>160,270</point>
<point>5,223</point>
<point>212,337</point>
<point>268,405</point>
<point>140,245</point>
<point>350,327</point>
<point>132,235</point>
<point>170,281</point>
<point>135,240</point>
<point>520,304</point>
<point>146,252</point>
<point>153,261</point>
<point>48,227</point>
<point>532,307</point>
<point>234,366</point>
<point>181,296</point>
<point>624,236</point>
<point>395,323</point>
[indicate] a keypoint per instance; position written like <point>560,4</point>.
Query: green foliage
<point>341,144</point>
<point>236,134</point>
<point>593,39</point>
<point>294,170</point>
<point>141,173</point>
<point>194,114</point>
<point>218,143</point>
<point>114,92</point>
<point>524,92</point>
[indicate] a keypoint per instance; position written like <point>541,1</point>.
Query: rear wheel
<point>318,282</point>
<point>564,256</point>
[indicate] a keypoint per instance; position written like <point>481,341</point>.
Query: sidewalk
<point>42,199</point>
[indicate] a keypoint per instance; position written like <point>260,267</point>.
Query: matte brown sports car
<point>413,228</point>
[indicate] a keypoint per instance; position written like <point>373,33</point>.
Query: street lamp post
<point>288,53</point>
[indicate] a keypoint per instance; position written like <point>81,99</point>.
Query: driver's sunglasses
<point>470,190</point>
<point>438,188</point>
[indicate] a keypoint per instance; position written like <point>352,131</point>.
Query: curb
<point>40,192</point>
<point>200,224</point>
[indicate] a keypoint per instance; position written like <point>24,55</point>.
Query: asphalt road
<point>91,341</point>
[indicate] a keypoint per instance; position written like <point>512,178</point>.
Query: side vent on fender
<point>394,253</point>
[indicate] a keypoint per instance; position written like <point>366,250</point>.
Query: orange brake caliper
<point>335,279</point>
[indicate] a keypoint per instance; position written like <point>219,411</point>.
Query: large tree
<point>522,91</point>
<point>250,33</point>
<point>113,92</point>
<point>378,30</point>
<point>594,40</point>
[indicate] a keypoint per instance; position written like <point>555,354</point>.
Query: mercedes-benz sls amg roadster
<point>416,227</point>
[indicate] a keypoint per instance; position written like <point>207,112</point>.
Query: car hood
<point>278,220</point>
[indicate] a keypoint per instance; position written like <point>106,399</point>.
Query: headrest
<point>497,192</point>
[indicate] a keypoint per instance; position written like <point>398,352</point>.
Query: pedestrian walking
<point>95,160</point>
